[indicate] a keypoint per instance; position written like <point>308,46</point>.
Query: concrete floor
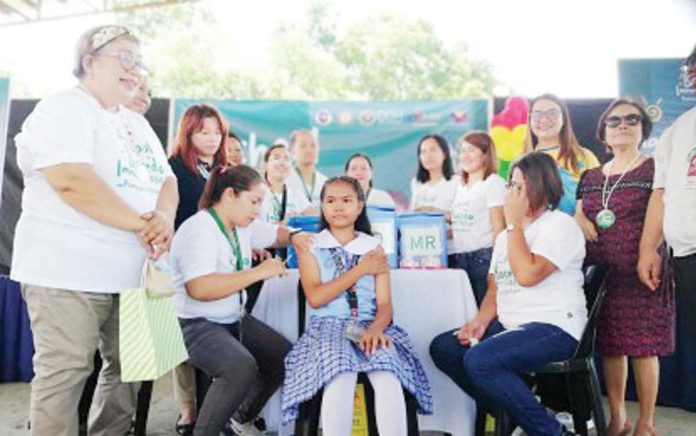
<point>14,401</point>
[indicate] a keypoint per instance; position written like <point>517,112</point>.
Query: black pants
<point>685,281</point>
<point>246,371</point>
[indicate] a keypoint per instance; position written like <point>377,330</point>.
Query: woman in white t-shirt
<point>476,214</point>
<point>99,197</point>
<point>211,267</point>
<point>359,166</point>
<point>535,292</point>
<point>281,201</point>
<point>434,186</point>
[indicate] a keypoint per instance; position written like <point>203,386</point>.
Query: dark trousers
<point>246,370</point>
<point>491,372</point>
<point>476,264</point>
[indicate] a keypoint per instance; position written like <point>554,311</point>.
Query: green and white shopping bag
<point>150,342</point>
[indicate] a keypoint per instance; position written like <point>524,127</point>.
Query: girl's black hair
<point>362,155</point>
<point>362,224</point>
<point>240,178</point>
<point>447,168</point>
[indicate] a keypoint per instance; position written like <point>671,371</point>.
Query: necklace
<point>606,218</point>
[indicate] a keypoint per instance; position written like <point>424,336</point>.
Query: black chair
<point>572,385</point>
<point>307,423</point>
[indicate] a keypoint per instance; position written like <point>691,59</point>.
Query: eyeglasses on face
<point>630,120</point>
<point>128,61</point>
<point>549,114</point>
<point>511,184</point>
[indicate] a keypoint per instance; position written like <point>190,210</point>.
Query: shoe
<point>246,429</point>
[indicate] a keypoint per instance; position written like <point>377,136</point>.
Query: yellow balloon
<point>504,147</point>
<point>519,133</point>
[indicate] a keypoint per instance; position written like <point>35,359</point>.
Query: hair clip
<point>107,34</point>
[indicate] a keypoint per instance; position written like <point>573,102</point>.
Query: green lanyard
<point>308,193</point>
<point>234,243</point>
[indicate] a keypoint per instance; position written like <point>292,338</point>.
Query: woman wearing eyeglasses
<point>534,310</point>
<point>634,321</point>
<point>551,131</point>
<point>99,197</point>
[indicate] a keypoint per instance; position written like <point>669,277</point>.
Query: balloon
<point>519,133</point>
<point>503,168</point>
<point>517,104</point>
<point>497,120</point>
<point>507,119</point>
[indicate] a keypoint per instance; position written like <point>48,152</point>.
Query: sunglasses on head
<point>630,120</point>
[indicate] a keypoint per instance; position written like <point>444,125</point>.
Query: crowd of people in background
<point>101,197</point>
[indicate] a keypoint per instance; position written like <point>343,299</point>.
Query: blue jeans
<point>476,264</point>
<point>491,371</point>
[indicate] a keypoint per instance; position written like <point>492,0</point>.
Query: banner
<point>4,121</point>
<point>660,84</point>
<point>388,132</point>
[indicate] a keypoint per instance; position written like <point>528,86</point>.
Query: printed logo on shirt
<point>504,278</point>
<point>138,168</point>
<point>691,170</point>
<point>462,219</point>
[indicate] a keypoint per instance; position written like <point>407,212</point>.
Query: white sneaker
<point>246,429</point>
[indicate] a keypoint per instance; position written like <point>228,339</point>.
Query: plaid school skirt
<point>323,352</point>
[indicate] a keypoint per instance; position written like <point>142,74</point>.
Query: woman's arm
<point>385,311</point>
<point>82,188</point>
<point>159,229</point>
<point>529,268</point>
<point>587,226</point>
<point>497,220</point>
<point>318,293</point>
<point>220,285</point>
<point>649,261</point>
<point>488,311</point>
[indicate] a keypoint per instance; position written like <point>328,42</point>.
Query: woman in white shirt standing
<point>534,311</point>
<point>211,267</point>
<point>359,166</point>
<point>433,188</point>
<point>99,197</point>
<point>281,201</point>
<point>477,210</point>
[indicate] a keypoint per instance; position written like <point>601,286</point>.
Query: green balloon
<point>503,168</point>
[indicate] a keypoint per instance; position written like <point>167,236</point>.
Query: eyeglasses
<point>630,120</point>
<point>511,184</point>
<point>128,61</point>
<point>549,114</point>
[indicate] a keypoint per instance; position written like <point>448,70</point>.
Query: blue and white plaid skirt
<point>323,352</point>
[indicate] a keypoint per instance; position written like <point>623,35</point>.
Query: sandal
<point>184,429</point>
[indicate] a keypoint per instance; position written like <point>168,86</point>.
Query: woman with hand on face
<point>635,321</point>
<point>534,311</point>
<point>211,265</point>
<point>359,166</point>
<point>99,198</point>
<point>198,147</point>
<point>281,201</point>
<point>551,131</point>
<point>477,210</point>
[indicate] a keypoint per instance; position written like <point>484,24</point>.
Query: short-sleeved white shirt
<point>471,217</point>
<point>559,299</point>
<point>57,246</point>
<point>295,183</point>
<point>439,195</point>
<point>200,248</point>
<point>377,197</point>
<point>296,204</point>
<point>675,171</point>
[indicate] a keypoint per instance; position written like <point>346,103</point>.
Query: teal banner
<point>4,121</point>
<point>388,132</point>
<point>660,84</point>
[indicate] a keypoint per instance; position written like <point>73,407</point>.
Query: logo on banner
<point>323,117</point>
<point>460,116</point>
<point>345,118</point>
<point>420,117</point>
<point>654,111</point>
<point>367,117</point>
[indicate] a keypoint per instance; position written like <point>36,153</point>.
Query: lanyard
<point>351,295</point>
<point>234,243</point>
<point>308,193</point>
<point>606,195</point>
<point>203,169</point>
<point>279,205</point>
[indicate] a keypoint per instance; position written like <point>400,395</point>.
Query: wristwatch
<point>511,227</point>
<point>293,233</point>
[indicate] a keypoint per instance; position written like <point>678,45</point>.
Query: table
<point>426,303</point>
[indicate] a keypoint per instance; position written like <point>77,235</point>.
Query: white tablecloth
<point>426,303</point>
